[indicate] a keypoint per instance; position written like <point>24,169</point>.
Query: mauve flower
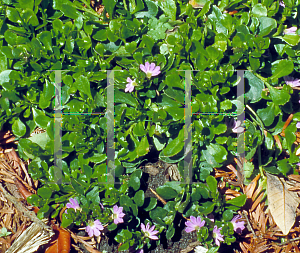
<point>217,235</point>
<point>298,124</point>
<point>94,228</point>
<point>118,214</point>
<point>130,85</point>
<point>235,125</point>
<point>149,232</point>
<point>289,80</point>
<point>298,164</point>
<point>73,204</point>
<point>150,69</point>
<point>238,226</point>
<point>194,224</point>
<point>291,30</point>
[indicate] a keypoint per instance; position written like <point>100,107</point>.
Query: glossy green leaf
<point>139,198</point>
<point>44,192</point>
<point>83,85</point>
<point>18,128</point>
<point>282,68</point>
<point>238,201</point>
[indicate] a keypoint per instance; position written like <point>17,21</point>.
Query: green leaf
<point>150,204</point>
<point>291,39</point>
<point>139,198</point>
<point>109,6</point>
<point>121,97</point>
<point>77,187</point>
<point>266,25</point>
<point>42,121</point>
<point>169,8</point>
<point>174,146</point>
<point>259,10</point>
<point>134,182</point>
<point>283,166</point>
<point>13,15</point>
<point>112,227</point>
<point>98,158</point>
<point>227,215</point>
<point>44,192</point>
<point>256,87</point>
<point>212,183</point>
<point>4,77</point>
<point>152,10</point>
<point>267,115</point>
<point>135,6</point>
<point>83,85</point>
<point>29,17</point>
<point>143,147</point>
<point>18,128</point>
<point>139,129</point>
<point>282,68</point>
<point>279,97</point>
<point>46,38</point>
<point>170,232</point>
<point>166,192</point>
<point>238,201</point>
<point>215,154</point>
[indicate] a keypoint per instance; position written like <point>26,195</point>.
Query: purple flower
<point>130,85</point>
<point>194,224</point>
<point>73,204</point>
<point>291,30</point>
<point>291,81</point>
<point>217,235</point>
<point>235,125</point>
<point>298,164</point>
<point>298,124</point>
<point>94,228</point>
<point>281,3</point>
<point>150,69</point>
<point>238,226</point>
<point>149,232</point>
<point>118,214</point>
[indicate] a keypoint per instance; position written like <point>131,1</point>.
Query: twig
<point>159,197</point>
<point>288,241</point>
<point>249,224</point>
<point>31,215</point>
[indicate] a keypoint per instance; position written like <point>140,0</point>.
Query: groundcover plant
<point>60,52</point>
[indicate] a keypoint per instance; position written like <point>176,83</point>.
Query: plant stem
<point>258,118</point>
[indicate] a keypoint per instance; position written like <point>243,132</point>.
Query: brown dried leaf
<point>282,203</point>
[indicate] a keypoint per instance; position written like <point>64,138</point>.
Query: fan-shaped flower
<point>150,69</point>
<point>194,224</point>
<point>149,232</point>
<point>130,85</point>
<point>217,235</point>
<point>118,214</point>
<point>238,226</point>
<point>94,228</point>
<point>73,204</point>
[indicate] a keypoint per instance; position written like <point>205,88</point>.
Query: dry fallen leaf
<point>282,202</point>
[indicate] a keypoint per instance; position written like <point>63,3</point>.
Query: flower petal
<point>143,68</point>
